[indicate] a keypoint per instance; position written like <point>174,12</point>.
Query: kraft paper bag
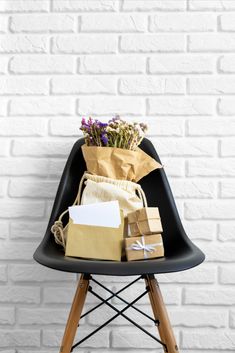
<point>118,163</point>
<point>93,242</point>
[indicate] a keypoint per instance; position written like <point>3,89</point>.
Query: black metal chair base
<point>160,319</point>
<point>118,312</point>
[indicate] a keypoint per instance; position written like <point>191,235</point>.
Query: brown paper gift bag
<point>144,221</point>
<point>118,163</point>
<point>93,242</point>
<point>143,248</point>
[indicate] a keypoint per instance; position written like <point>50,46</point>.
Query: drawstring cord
<point>57,228</point>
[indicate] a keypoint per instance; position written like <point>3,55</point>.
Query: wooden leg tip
<point>174,349</point>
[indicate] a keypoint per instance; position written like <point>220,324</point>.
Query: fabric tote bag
<point>100,189</point>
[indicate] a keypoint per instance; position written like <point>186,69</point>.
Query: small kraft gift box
<point>144,247</point>
<point>144,221</point>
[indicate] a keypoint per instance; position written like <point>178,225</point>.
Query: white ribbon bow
<point>140,245</point>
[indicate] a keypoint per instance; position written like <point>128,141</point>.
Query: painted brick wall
<point>168,62</point>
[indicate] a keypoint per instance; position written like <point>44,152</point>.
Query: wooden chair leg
<point>74,315</point>
<point>160,314</point>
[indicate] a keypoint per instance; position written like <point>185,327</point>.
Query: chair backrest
<point>155,185</point>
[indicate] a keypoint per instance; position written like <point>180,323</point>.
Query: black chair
<point>180,253</point>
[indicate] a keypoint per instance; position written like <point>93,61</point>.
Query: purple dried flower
<point>102,125</point>
<point>114,119</point>
<point>104,138</point>
<point>90,122</point>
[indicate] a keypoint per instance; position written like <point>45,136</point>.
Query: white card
<point>102,214</point>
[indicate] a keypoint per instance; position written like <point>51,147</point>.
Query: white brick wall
<point>168,62</point>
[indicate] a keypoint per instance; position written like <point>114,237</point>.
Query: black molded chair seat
<point>180,252</point>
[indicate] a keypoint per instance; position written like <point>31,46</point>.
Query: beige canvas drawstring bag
<point>100,189</point>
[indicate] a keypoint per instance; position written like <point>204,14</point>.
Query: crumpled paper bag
<point>118,163</point>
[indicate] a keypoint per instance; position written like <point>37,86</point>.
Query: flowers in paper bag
<point>111,149</point>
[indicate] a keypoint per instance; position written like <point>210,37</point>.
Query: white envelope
<point>103,214</point>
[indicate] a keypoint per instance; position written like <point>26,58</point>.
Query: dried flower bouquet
<point>116,133</point>
<point>111,149</point>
